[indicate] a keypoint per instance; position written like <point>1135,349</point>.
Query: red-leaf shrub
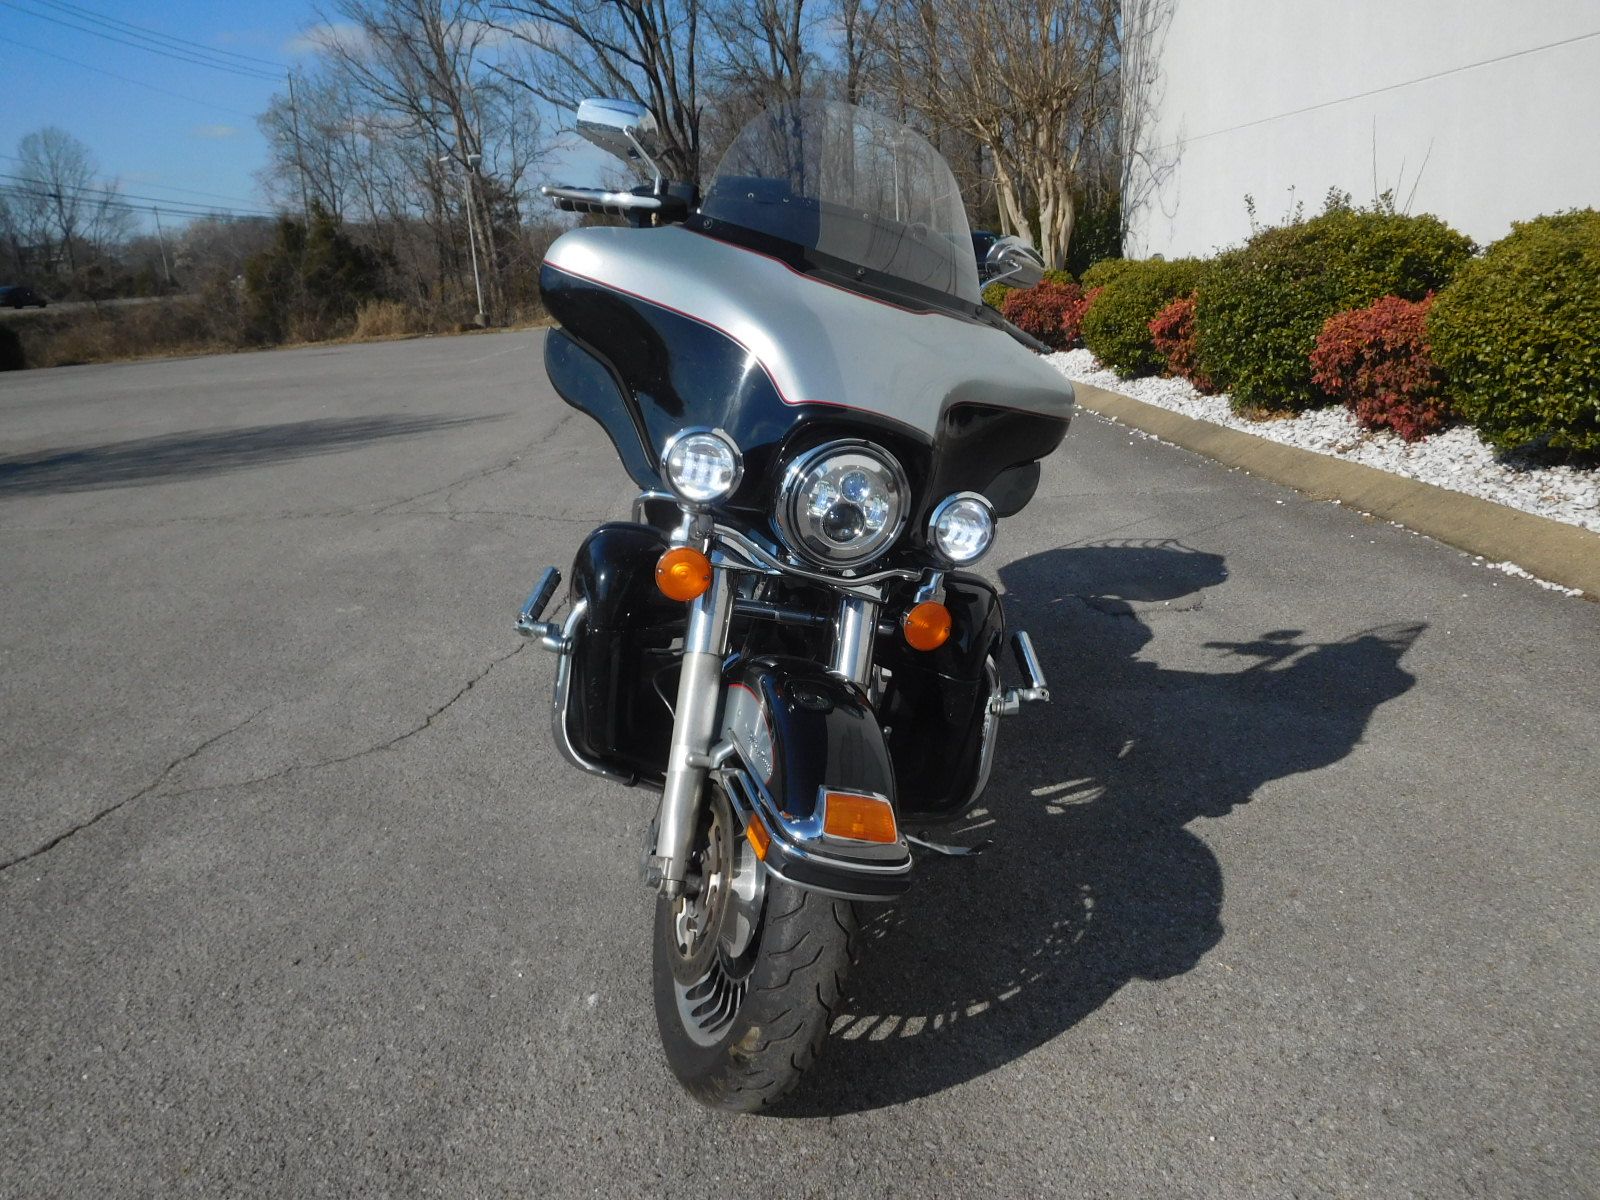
<point>1043,309</point>
<point>1072,317</point>
<point>1172,331</point>
<point>1377,363</point>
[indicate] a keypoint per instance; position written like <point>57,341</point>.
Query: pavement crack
<point>378,748</point>
<point>166,773</point>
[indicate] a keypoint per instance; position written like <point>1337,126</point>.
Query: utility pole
<point>299,159</point>
<point>161,240</point>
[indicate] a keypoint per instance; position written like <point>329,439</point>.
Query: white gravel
<point>1456,459</point>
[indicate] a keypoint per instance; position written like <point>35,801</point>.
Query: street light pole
<point>472,162</point>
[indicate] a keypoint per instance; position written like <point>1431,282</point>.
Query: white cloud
<point>214,132</point>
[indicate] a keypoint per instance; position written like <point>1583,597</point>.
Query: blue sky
<point>153,142</point>
<point>197,134</point>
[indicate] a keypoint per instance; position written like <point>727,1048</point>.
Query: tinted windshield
<point>851,185</point>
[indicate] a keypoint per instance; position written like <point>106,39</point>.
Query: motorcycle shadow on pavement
<point>1094,878</point>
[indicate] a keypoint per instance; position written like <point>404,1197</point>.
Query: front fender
<point>799,732</point>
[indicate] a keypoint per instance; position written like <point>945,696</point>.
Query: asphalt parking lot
<point>1294,890</point>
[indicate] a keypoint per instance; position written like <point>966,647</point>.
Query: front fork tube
<point>693,729</point>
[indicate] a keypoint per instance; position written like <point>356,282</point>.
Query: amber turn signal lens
<point>683,574</point>
<point>927,626</point>
<point>859,818</point>
<point>758,837</point>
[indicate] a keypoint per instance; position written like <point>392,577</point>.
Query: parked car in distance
<point>21,297</point>
<point>982,242</point>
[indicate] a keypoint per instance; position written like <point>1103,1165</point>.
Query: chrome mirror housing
<point>621,128</point>
<point>1011,260</point>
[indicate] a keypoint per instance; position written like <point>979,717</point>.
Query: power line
<point>157,48</point>
<point>130,27</point>
<point>1378,91</point>
<point>45,188</point>
<point>125,79</point>
<point>165,187</point>
<point>191,214</point>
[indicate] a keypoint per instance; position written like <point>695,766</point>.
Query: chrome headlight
<point>842,504</point>
<point>701,466</point>
<point>962,528</point>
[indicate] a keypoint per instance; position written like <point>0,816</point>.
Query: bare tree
<point>60,203</point>
<point>648,51</point>
<point>1034,81</point>
<point>405,123</point>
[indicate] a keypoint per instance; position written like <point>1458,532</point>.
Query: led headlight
<point>701,466</point>
<point>842,504</point>
<point>962,528</point>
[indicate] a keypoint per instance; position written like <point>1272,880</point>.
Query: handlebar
<point>634,205</point>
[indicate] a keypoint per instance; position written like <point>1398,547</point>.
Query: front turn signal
<point>927,625</point>
<point>683,574</point>
<point>859,818</point>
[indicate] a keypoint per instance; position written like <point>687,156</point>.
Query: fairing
<point>666,328</point>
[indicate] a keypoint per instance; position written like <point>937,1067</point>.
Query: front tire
<point>747,972</point>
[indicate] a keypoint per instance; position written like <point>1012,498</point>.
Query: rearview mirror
<point>621,128</point>
<point>1011,260</point>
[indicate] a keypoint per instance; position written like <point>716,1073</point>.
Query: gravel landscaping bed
<point>1457,458</point>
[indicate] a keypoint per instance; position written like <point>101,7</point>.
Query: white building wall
<point>1479,111</point>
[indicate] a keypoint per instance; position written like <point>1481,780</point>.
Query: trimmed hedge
<point>1518,334</point>
<point>994,295</point>
<point>1375,361</point>
<point>1262,306</point>
<point>1104,271</point>
<point>1117,328</point>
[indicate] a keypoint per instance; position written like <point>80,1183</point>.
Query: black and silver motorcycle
<point>825,424</point>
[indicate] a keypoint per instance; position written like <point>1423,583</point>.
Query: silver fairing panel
<point>819,344</point>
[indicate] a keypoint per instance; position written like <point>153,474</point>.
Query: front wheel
<point>748,970</point>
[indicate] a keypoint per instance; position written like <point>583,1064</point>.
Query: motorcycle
<point>825,424</point>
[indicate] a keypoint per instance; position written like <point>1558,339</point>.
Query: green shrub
<point>1518,335</point>
<point>1104,271</point>
<point>1051,275</point>
<point>994,295</point>
<point>1261,307</point>
<point>309,285</point>
<point>1117,326</point>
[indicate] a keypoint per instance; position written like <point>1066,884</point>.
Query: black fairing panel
<point>823,733</point>
<point>614,716</point>
<point>936,703</point>
<point>589,385</point>
<point>669,371</point>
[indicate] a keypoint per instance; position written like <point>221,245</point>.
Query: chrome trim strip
<point>644,498</point>
<point>763,560</point>
<point>756,798</point>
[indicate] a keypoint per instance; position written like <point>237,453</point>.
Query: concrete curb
<point>1552,550</point>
